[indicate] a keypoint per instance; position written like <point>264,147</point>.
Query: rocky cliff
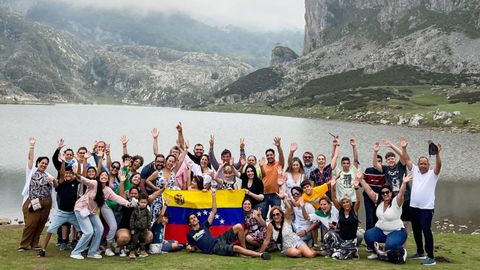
<point>327,21</point>
<point>40,64</point>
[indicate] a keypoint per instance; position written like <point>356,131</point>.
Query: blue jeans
<point>393,241</point>
<point>60,218</point>
<point>269,200</point>
<point>422,222</point>
<point>92,229</point>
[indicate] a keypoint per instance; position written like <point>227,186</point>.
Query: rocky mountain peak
<point>281,55</point>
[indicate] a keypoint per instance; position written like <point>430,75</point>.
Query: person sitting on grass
<point>158,230</point>
<point>199,237</point>
<point>389,228</point>
<point>139,224</point>
<point>280,230</point>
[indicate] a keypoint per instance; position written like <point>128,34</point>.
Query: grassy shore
<point>463,250</point>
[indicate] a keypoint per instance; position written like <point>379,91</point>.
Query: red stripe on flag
<point>179,232</point>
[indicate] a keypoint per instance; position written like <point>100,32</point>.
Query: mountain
<point>353,48</point>
<point>40,64</point>
<point>175,31</point>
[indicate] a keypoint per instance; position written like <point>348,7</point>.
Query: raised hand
<point>387,143</point>
<point>107,149</point>
<point>231,161</point>
<point>95,145</point>
<point>60,143</point>
<point>376,147</point>
<point>212,140</point>
<point>403,142</point>
<point>356,181</point>
<point>407,178</point>
<point>243,160</point>
<point>122,176</point>
<point>262,161</point>
<point>75,168</point>
<point>179,127</point>
<point>32,141</point>
<point>155,133</point>
<point>242,143</point>
<point>353,142</point>
<point>124,140</point>
<point>87,155</point>
<point>276,141</point>
<point>336,140</point>
<point>333,181</point>
<point>293,147</point>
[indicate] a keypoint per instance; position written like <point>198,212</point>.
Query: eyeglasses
<point>307,157</point>
<point>295,194</point>
<point>276,214</point>
<point>385,192</point>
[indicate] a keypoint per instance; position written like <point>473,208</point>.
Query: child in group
<point>231,180</point>
<point>158,230</point>
<point>139,224</point>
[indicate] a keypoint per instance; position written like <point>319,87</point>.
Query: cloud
<point>263,15</point>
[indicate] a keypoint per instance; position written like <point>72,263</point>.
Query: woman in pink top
<point>85,211</point>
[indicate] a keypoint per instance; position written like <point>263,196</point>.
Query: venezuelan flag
<point>182,203</point>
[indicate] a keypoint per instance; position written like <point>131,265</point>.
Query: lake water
<point>80,125</point>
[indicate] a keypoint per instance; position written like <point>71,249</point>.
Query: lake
<point>80,125</point>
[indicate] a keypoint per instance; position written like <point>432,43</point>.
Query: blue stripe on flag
<point>224,216</point>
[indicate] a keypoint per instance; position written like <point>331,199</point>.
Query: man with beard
<point>270,171</point>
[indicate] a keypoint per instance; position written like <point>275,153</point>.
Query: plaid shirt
<point>320,178</point>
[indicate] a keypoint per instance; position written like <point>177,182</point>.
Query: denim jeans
<point>393,241</point>
<point>92,229</point>
<point>422,222</point>
<point>60,218</point>
<point>269,200</point>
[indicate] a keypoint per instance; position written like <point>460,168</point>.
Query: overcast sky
<point>265,15</point>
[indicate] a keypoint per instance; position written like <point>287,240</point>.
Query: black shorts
<point>406,212</point>
<point>224,246</point>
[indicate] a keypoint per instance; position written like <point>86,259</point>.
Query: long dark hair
<point>244,176</point>
<point>99,199</point>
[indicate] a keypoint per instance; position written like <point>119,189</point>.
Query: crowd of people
<point>114,206</point>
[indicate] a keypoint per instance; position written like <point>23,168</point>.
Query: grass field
<point>462,249</point>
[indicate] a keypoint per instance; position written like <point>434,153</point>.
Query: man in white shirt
<point>422,201</point>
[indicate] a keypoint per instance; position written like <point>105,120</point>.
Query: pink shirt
<point>88,199</point>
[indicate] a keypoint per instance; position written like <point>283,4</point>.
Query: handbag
<point>155,248</point>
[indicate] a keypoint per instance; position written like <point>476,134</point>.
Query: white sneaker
<point>123,253</point>
<point>109,252</point>
<point>96,256</point>
<point>77,257</point>
<point>372,256</point>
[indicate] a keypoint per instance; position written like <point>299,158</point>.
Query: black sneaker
<point>21,249</point>
<point>265,256</point>
<point>41,253</point>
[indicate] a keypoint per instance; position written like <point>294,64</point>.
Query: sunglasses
<point>385,192</point>
<point>276,214</point>
<point>115,168</point>
<point>307,157</point>
<point>295,194</point>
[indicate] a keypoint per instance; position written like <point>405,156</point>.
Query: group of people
<point>297,207</point>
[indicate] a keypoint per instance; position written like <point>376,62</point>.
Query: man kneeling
<point>199,237</point>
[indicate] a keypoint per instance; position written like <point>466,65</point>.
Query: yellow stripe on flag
<point>201,199</point>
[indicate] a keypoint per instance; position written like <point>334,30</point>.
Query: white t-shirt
<point>301,223</point>
<point>344,186</point>
<point>325,220</point>
<point>423,188</point>
<point>389,220</point>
